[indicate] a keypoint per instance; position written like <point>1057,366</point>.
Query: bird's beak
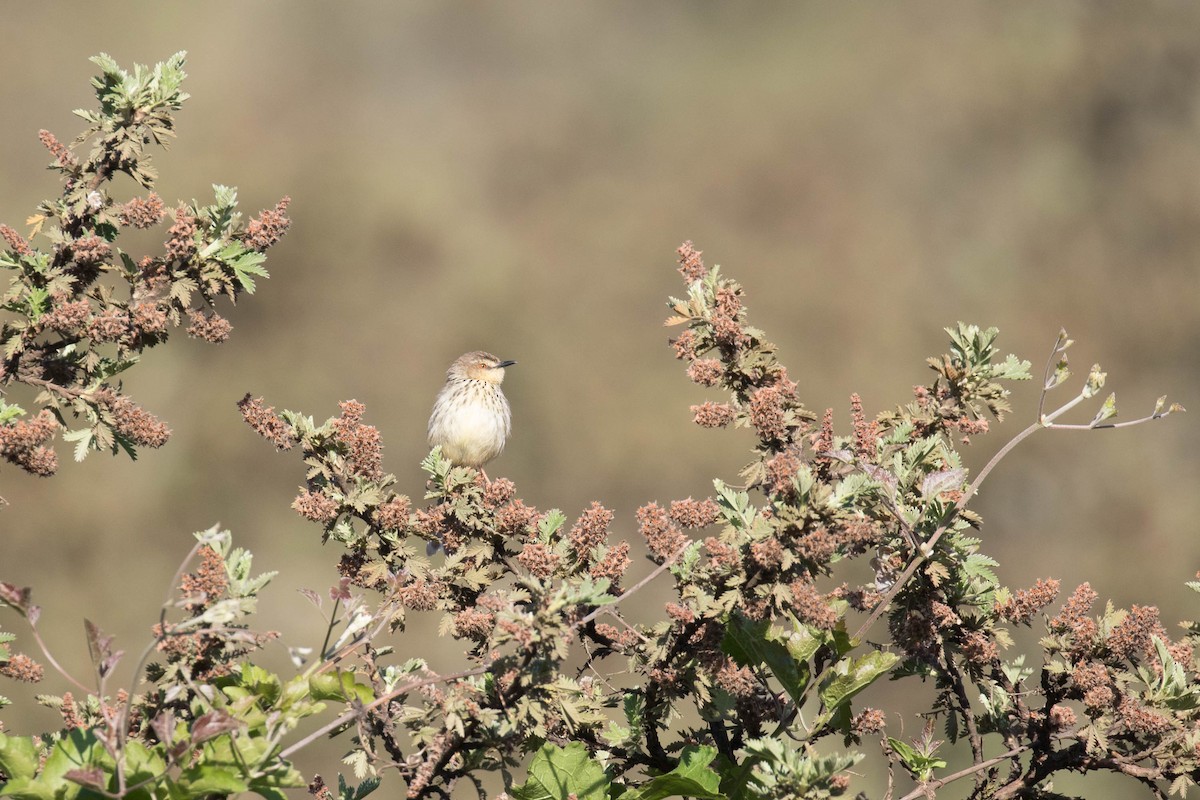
<point>504,364</point>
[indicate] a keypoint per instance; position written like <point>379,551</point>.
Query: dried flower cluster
<point>23,442</point>
<point>204,654</point>
<point>70,334</point>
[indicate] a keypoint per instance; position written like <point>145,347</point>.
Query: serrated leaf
<point>851,677</point>
<point>9,412</point>
<point>83,442</point>
<point>750,644</point>
<point>212,724</point>
<point>550,523</point>
<point>35,223</point>
<point>13,345</point>
<point>356,792</point>
<point>556,772</point>
<point>945,481</point>
<point>692,777</point>
<point>920,765</point>
<point>735,505</point>
<point>18,756</point>
<point>205,779</point>
<point>340,685</point>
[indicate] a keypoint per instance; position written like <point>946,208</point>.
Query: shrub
<point>748,684</point>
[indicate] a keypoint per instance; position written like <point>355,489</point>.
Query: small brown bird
<point>471,419</point>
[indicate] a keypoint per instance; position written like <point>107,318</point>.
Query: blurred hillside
<point>516,178</point>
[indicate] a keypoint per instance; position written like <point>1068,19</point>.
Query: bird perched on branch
<point>471,419</point>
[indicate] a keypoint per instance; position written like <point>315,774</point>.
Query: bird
<point>471,419</point>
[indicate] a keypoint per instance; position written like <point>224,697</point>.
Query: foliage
<point>749,685</point>
<point>81,309</point>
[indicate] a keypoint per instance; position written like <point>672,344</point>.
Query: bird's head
<point>479,366</point>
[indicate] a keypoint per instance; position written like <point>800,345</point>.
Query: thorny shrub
<point>843,558</point>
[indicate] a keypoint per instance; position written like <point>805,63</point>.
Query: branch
<point>927,548</point>
<point>925,788</point>
<point>954,675</point>
<point>49,386</point>
<point>660,569</point>
<point>1060,345</point>
<point>1126,424</point>
<point>37,637</point>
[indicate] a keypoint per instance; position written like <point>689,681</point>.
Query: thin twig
<point>337,601</point>
<point>123,715</point>
<point>37,637</point>
<point>964,706</point>
<point>1050,365</point>
<point>923,789</point>
<point>348,648</point>
<point>50,386</point>
<point>1127,423</point>
<point>660,569</point>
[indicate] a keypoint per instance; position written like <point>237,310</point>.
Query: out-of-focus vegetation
<point>511,177</point>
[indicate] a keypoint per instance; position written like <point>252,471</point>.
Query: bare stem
<point>37,637</point>
<point>1059,347</point>
<point>1126,424</point>
<point>337,601</point>
<point>50,386</point>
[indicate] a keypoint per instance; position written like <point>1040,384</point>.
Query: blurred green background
<point>516,177</point>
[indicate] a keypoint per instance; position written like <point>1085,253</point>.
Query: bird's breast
<point>470,425</point>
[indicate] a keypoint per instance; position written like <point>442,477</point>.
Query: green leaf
<point>735,506</point>
<point>141,762</point>
<point>1061,372</point>
<point>39,299</point>
<point>692,777</point>
<point>1012,369</point>
<point>77,750</point>
<point>921,766</point>
<point>753,644</point>
<point>18,756</point>
<point>9,412</point>
<point>244,263</point>
<point>851,677</point>
<point>347,792</point>
<point>549,524</point>
<point>937,482</point>
<point>340,685</point>
<point>204,779</point>
<point>802,644</point>
<point>557,772</point>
